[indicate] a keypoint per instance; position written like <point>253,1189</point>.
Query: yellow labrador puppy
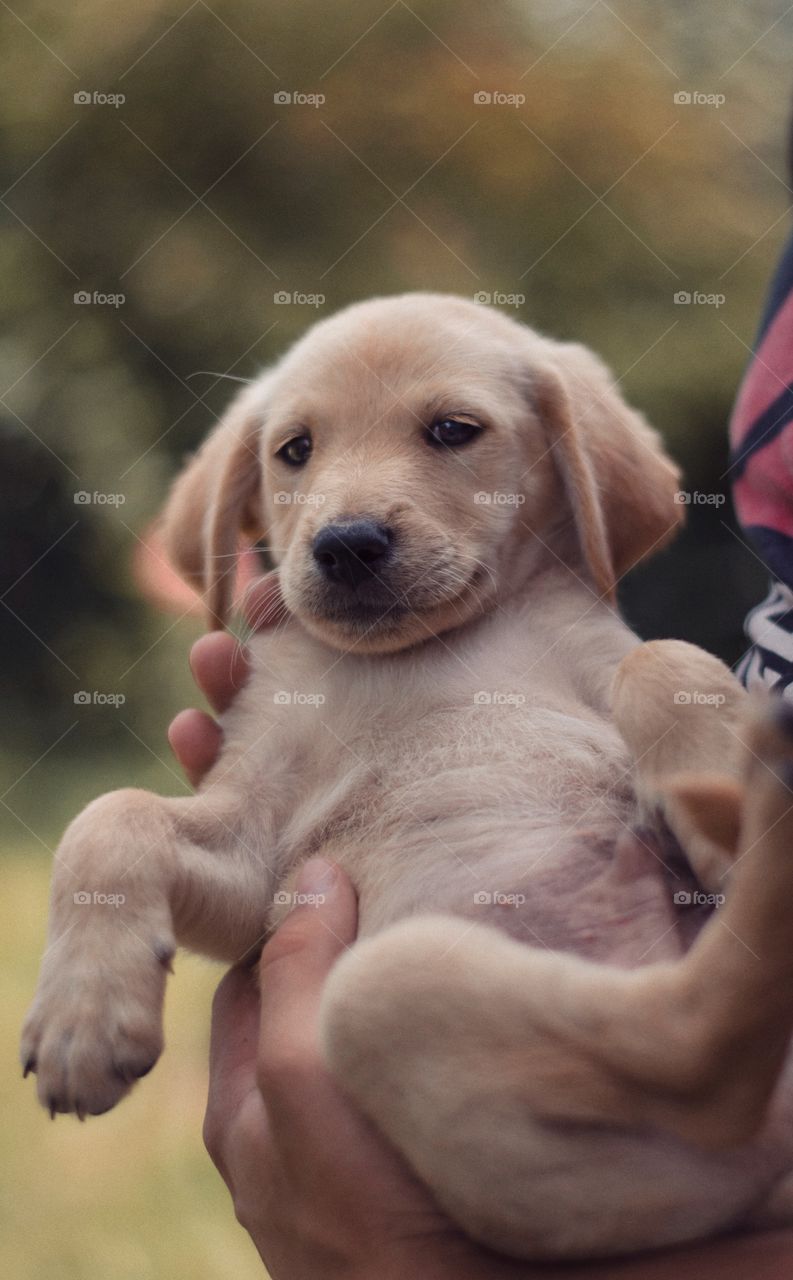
<point>572,1055</point>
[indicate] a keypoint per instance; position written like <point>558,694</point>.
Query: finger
<point>263,604</point>
<point>220,667</point>
<point>195,740</point>
<point>219,663</point>
<point>232,1052</point>
<point>293,969</point>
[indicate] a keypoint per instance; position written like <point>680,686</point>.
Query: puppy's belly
<point>612,899</point>
<point>612,896</point>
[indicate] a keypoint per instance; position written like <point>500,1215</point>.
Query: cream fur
<point>592,1091</point>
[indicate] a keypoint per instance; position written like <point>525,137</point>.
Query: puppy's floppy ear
<point>214,500</point>
<point>620,483</point>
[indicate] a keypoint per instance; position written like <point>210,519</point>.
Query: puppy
<point>574,1061</point>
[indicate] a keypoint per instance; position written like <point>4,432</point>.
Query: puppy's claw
<point>128,1073</point>
<point>165,953</point>
<point>30,1065</point>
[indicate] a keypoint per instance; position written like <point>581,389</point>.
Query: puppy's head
<point>414,459</point>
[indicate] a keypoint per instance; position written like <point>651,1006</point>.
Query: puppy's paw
<point>95,1025</point>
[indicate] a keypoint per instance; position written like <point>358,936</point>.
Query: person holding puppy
<point>321,1194</point>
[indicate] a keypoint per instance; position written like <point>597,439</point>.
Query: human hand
<point>322,1195</point>
<point>320,1192</point>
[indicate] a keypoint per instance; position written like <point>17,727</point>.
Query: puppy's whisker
<point>227,555</point>
<point>209,373</point>
<point>248,630</point>
<point>270,610</point>
<point>488,570</point>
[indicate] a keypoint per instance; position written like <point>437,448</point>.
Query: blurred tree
<point>201,197</point>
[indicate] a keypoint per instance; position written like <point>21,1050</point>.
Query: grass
<point>132,1194</point>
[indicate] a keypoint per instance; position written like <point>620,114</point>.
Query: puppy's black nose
<point>352,551</point>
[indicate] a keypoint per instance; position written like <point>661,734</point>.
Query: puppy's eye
<point>452,432</point>
<point>296,451</point>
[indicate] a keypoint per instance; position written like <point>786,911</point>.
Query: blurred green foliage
<point>130,1196</point>
<point>200,197</point>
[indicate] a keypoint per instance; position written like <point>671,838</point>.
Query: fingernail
<point>316,876</point>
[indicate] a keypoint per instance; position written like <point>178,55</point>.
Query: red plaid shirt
<point>761,438</point>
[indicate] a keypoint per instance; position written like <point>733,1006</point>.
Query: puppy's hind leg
<point>482,1061</point>
<point>559,1108</point>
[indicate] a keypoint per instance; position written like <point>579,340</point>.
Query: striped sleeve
<point>761,464</point>
<point>769,627</point>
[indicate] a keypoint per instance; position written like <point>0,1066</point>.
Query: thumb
<point>232,1055</point>
<point>295,964</point>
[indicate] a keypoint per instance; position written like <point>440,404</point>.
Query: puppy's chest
<point>362,758</point>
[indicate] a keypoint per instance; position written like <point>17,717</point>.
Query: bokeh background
<point>171,172</point>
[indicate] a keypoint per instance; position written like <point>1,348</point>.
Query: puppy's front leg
<point>134,875</point>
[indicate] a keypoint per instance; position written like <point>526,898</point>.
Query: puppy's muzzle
<point>353,553</point>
